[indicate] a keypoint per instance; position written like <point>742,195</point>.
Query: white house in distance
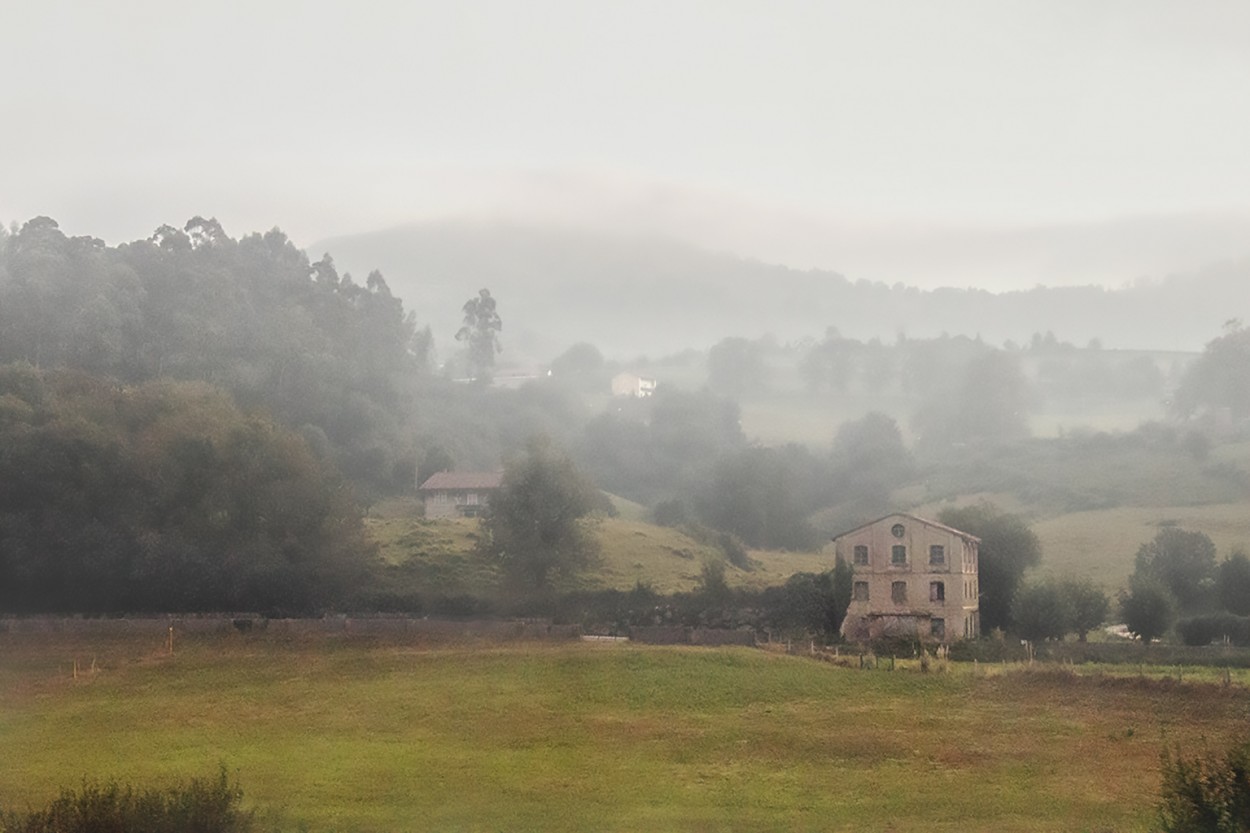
<point>631,384</point>
<point>912,577</point>
<point>459,494</point>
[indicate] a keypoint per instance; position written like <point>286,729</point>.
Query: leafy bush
<point>207,805</point>
<point>1207,793</point>
<point>1203,630</point>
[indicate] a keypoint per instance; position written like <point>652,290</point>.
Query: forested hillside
<point>321,352</point>
<point>196,421</point>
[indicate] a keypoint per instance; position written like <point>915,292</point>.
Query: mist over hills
<point>648,295</point>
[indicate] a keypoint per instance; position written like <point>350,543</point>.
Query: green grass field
<point>359,736</point>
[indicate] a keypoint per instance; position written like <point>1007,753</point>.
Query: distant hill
<point>631,296</point>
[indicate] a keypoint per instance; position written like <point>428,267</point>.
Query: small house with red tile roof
<point>459,494</point>
<point>913,577</point>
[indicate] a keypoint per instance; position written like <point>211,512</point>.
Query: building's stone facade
<point>912,577</point>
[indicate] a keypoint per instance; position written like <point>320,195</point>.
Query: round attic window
<point>897,530</point>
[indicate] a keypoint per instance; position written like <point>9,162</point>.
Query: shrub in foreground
<point>1208,793</point>
<point>207,805</point>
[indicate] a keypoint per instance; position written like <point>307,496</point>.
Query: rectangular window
<point>937,591</point>
<point>861,555</point>
<point>898,555</point>
<point>937,554</point>
<point>898,592</point>
<point>860,591</point>
<point>937,628</point>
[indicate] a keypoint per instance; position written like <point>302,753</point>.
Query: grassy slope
<point>440,555</point>
<point>1133,492</point>
<point>581,737</point>
<point>1116,497</point>
<point>1102,544</point>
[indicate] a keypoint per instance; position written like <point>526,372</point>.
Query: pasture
<point>355,735</point>
<point>1102,544</point>
<point>439,556</point>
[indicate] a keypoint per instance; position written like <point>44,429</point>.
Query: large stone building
<point>912,577</point>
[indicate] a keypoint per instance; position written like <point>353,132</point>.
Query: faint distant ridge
<point>634,295</point>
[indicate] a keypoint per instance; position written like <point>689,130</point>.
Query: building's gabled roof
<point>463,480</point>
<point>915,518</point>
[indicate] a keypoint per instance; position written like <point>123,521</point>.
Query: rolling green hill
<point>438,556</point>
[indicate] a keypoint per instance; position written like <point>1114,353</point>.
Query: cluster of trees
<point>1220,378</point>
<point>253,316</point>
<point>1177,575</point>
<point>192,421</point>
<point>684,453</point>
<point>1053,608</point>
<point>163,496</point>
<point>919,368</point>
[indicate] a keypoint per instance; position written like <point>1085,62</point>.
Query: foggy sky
<point>979,143</point>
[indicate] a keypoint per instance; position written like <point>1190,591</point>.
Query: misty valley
<point>196,427</point>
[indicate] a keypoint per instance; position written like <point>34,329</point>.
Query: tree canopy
<point>1052,608</point>
<point>990,403</point>
<point>1008,548</point>
<point>162,497</point>
<point>535,526</point>
<point>1234,583</point>
<point>1220,378</point>
<point>1183,561</point>
<point>1148,609</point>
<point>481,332</point>
<point>252,316</point>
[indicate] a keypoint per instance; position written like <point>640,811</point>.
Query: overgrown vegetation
<point>1208,792</point>
<point>163,496</point>
<point>199,805</point>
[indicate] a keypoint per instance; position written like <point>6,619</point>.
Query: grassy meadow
<point>1102,544</point>
<point>439,555</point>
<point>365,736</point>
